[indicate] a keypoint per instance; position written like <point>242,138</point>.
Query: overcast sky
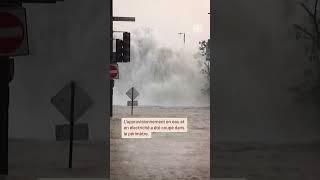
<point>167,18</point>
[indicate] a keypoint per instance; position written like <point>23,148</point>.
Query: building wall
<point>68,41</point>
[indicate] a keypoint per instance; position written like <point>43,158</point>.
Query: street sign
<point>132,93</point>
<point>132,103</point>
<point>80,132</point>
<point>40,1</point>
<point>72,102</point>
<point>123,18</point>
<point>13,32</point>
<point>114,71</point>
<point>82,102</point>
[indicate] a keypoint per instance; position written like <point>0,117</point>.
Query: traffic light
<point>123,48</point>
<point>126,47</point>
<point>119,50</point>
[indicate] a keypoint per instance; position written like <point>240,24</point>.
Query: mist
<point>164,75</point>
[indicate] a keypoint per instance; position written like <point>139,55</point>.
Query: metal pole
<point>5,76</point>
<point>111,97</point>
<point>71,123</point>
<point>132,101</point>
<point>184,37</point>
<point>111,54</point>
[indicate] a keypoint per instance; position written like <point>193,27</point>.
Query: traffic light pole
<point>6,75</point>
<point>118,42</point>
<point>111,54</point>
<point>111,97</point>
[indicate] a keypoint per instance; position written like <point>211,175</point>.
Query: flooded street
<point>33,159</point>
<point>166,155</point>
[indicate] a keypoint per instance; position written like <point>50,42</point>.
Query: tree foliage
<point>309,33</point>
<point>205,67</point>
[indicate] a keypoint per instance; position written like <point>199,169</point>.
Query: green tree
<point>204,66</point>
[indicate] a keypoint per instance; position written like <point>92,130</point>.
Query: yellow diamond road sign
<point>62,101</point>
<point>132,93</point>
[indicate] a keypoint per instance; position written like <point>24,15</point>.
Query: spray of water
<point>164,75</point>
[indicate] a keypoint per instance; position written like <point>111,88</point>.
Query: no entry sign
<point>114,71</point>
<point>13,32</point>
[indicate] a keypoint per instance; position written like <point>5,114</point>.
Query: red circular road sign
<point>113,71</point>
<point>11,32</point>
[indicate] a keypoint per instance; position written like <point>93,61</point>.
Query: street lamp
<point>184,37</point>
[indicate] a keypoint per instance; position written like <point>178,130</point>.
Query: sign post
<point>6,76</point>
<point>132,93</point>
<point>131,103</point>
<point>71,123</point>
<point>72,102</point>
<point>113,74</point>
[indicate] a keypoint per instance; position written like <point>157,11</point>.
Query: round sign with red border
<point>12,32</point>
<point>114,71</point>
